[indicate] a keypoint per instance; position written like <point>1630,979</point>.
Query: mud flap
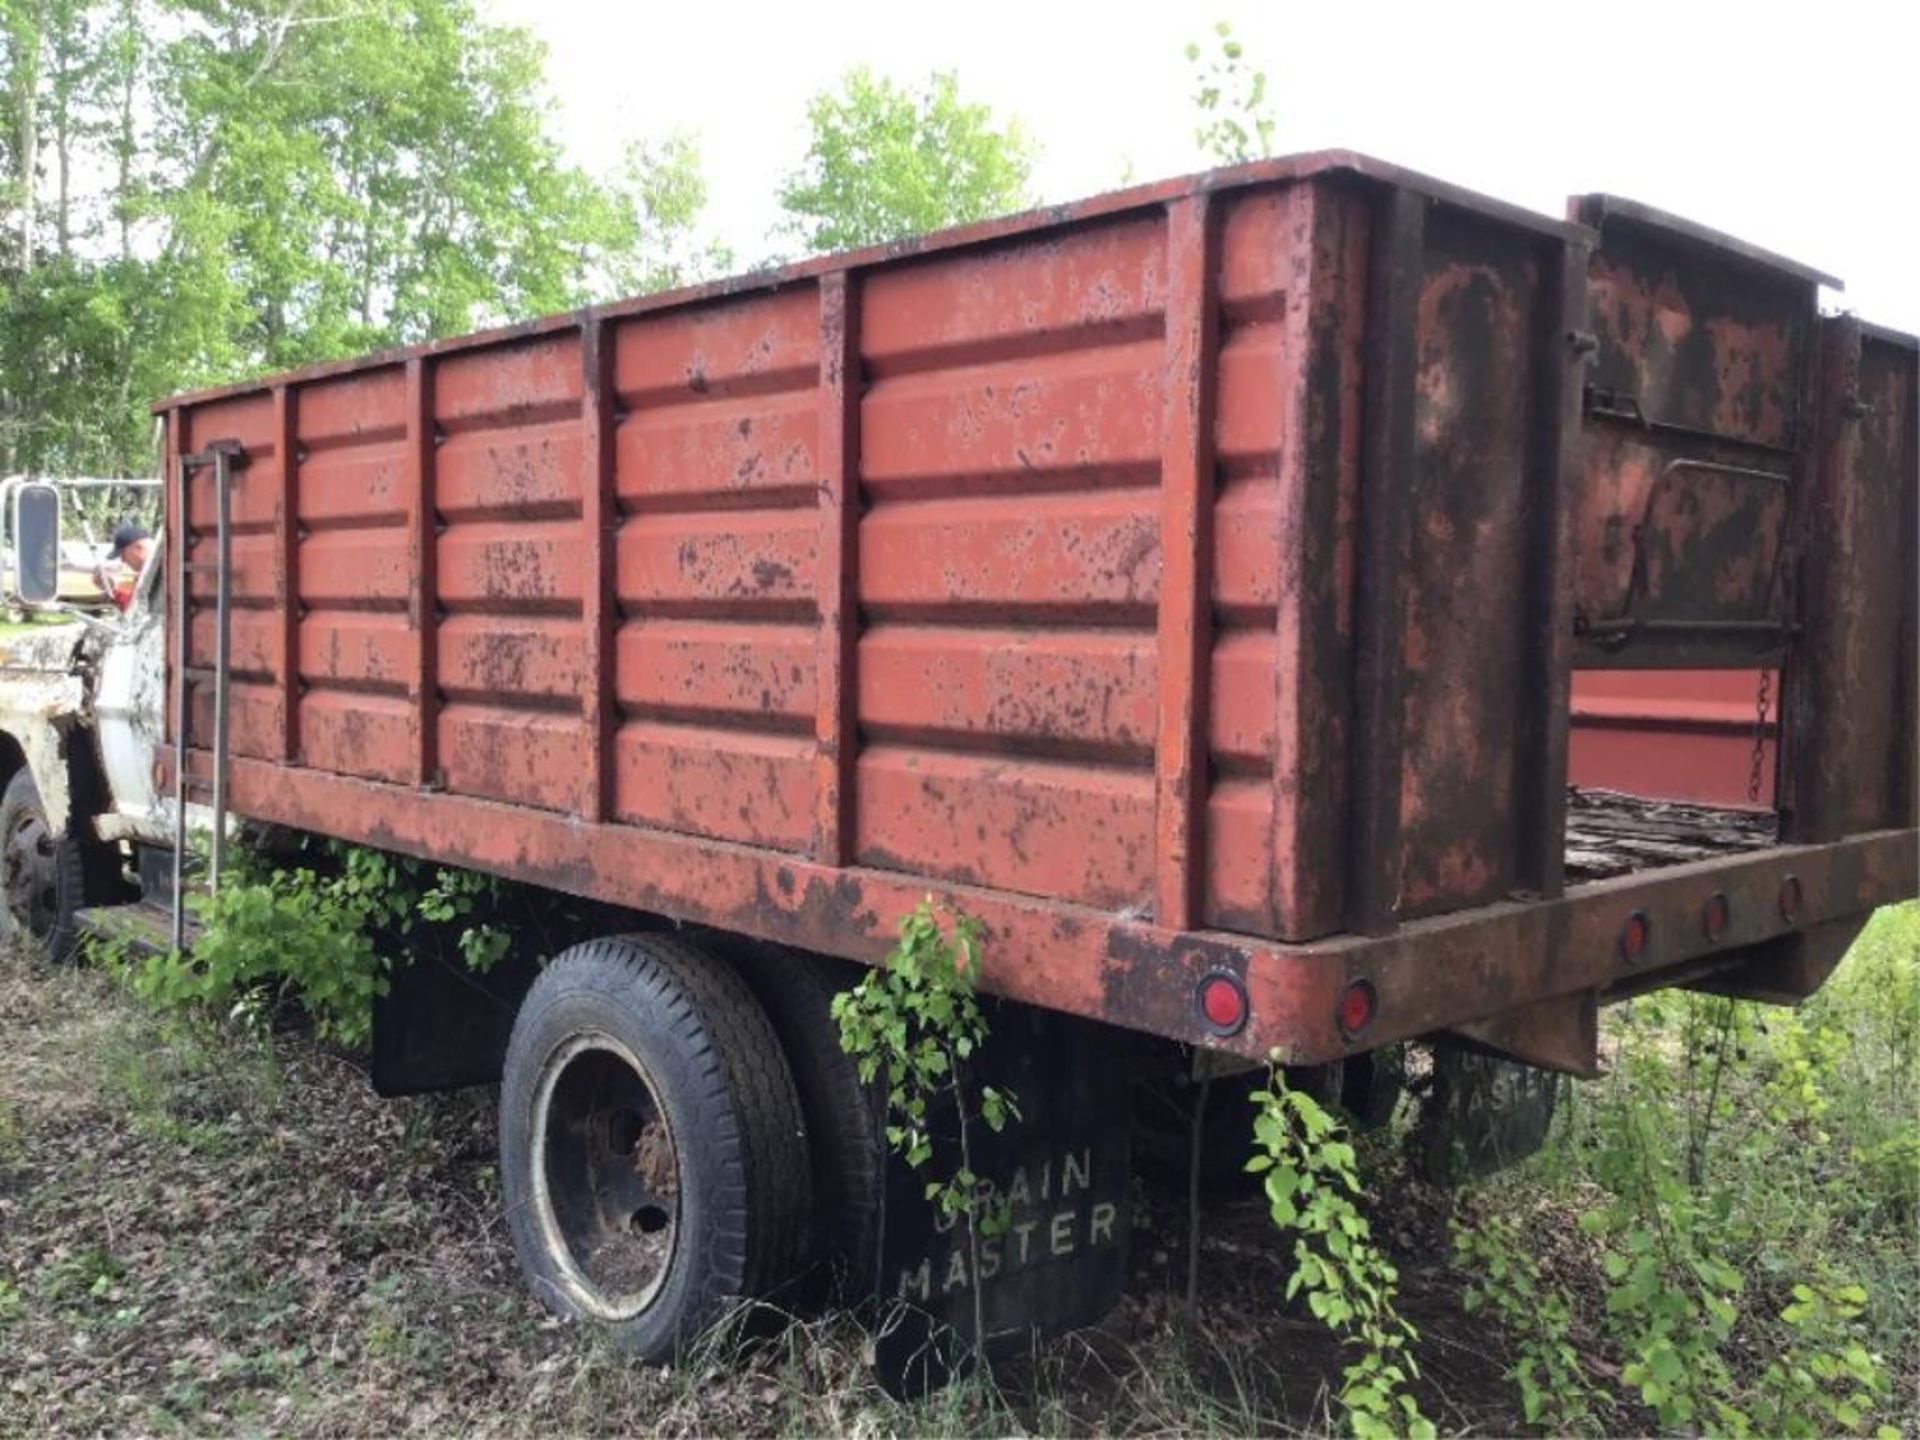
<point>1060,1175</point>
<point>1482,1114</point>
<point>441,1026</point>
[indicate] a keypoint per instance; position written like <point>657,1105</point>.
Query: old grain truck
<point>1186,583</point>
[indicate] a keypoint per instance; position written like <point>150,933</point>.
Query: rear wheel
<point>652,1152</point>
<point>843,1116</point>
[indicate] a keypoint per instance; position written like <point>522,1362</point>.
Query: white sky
<point>1796,127</point>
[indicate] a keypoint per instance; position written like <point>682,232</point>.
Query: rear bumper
<point>1453,970</point>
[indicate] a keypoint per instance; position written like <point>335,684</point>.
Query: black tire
<point>631,1055</point>
<point>43,873</point>
<point>843,1116</point>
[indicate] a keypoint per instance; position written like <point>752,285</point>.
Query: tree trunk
<point>26,123</point>
<point>129,43</point>
<point>63,141</point>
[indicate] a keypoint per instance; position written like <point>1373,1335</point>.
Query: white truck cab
<point>82,712</point>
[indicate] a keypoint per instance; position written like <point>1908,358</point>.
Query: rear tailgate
<point>1747,501</point>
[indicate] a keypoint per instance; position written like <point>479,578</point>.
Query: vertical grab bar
<point>222,636</point>
<point>220,460</point>
<point>181,631</point>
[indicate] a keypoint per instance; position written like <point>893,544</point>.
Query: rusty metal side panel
<point>1173,569</point>
<point>1079,619</point>
<point>257,714</point>
<point>1886,652</point>
<point>1688,342</point>
<point>1010,563</point>
<point>1890,376</point>
<point>1188,481</point>
<point>718,574</point>
<point>1464,586</point>
<point>1288,438</point>
<point>1851,737</point>
<point>509,467</point>
<point>1541,743</point>
<point>356,650</point>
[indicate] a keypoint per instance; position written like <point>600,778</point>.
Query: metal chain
<point>1758,765</point>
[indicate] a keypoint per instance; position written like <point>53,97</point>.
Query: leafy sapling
<point>914,1025</point>
<point>1506,1280</point>
<point>326,932</point>
<point>1310,1175</point>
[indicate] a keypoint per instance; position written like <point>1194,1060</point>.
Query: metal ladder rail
<point>220,459</point>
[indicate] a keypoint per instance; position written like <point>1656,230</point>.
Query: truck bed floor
<point>1610,833</point>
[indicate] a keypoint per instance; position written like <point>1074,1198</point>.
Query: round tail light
<point>1635,935</point>
<point>1222,1002</point>
<point>1715,915</point>
<point>1357,1004</point>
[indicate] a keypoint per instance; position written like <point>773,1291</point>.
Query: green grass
<point>32,625</point>
<point>1803,1129</point>
<point>210,1231</point>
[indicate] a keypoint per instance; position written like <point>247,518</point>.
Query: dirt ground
<point>208,1234</point>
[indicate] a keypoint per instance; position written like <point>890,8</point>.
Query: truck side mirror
<point>36,543</point>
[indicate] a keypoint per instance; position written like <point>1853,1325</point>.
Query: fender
<point>43,702</point>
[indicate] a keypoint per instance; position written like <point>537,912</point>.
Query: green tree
<point>382,172</point>
<point>199,190</point>
<point>1234,117</point>
<point>659,196</point>
<point>887,160</point>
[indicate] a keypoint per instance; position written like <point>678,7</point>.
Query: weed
<point>314,931</point>
<point>1510,1282</point>
<point>88,1274</point>
<point>914,1023</point>
<point>1310,1180</point>
<point>1746,1178</point>
<point>183,1080</point>
<point>1230,101</point>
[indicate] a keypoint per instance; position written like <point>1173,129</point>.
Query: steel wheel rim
<point>606,1176</point>
<point>30,879</point>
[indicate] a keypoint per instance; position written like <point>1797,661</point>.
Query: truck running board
<point>144,928</point>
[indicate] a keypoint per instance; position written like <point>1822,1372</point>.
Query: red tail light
<point>1357,1004</point>
<point>1222,1002</point>
<point>1635,935</point>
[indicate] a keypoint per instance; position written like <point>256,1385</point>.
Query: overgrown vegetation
<point>213,1231</point>
<point>1780,1283</point>
<point>1311,1180</point>
<point>914,1024</point>
<point>323,928</point>
<point>1745,1185</point>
